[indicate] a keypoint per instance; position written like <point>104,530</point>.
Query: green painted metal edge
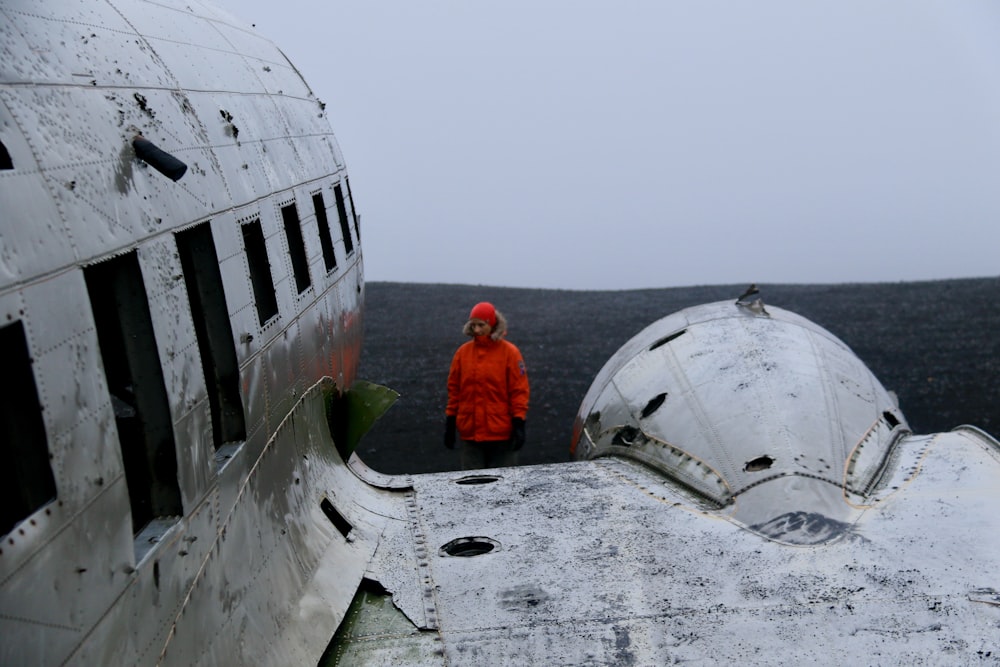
<point>352,413</point>
<point>375,632</point>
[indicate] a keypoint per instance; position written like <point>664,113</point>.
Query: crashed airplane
<point>181,290</point>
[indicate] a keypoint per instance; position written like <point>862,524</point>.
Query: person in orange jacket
<point>487,393</point>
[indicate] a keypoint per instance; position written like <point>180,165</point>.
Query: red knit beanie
<point>484,311</point>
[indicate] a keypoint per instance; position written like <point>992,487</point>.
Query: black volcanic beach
<point>933,343</point>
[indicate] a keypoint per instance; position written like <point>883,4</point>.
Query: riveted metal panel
<point>284,284</point>
<point>180,359</point>
<point>278,362</point>
<point>68,43</point>
<point>273,71</point>
<point>196,456</point>
<point>716,393</point>
<point>84,554</point>
<point>601,562</point>
<point>314,346</point>
<point>63,345</point>
<point>172,323</point>
<point>334,333</point>
<point>45,242</point>
<point>236,281</point>
<point>202,60</point>
<point>239,124</point>
<point>78,415</point>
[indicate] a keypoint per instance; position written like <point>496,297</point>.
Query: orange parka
<point>487,387</point>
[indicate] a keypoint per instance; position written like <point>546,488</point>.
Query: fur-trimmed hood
<point>499,331</point>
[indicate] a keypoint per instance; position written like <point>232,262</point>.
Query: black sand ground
<point>933,343</point>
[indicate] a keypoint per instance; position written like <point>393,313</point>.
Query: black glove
<point>449,432</point>
<point>516,433</point>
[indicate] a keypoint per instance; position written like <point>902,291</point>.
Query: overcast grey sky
<point>592,144</point>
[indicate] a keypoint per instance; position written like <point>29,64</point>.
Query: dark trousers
<point>477,455</point>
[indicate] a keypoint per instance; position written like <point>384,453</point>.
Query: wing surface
<point>603,562</point>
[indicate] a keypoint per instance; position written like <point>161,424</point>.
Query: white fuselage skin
<point>164,514</point>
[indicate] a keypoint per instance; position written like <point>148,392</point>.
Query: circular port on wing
<point>466,547</point>
<point>478,479</point>
<point>758,464</point>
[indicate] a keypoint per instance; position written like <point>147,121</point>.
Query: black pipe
<point>158,159</point>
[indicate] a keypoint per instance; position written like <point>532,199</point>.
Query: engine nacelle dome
<point>731,403</point>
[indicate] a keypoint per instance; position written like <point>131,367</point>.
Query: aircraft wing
<point>605,562</point>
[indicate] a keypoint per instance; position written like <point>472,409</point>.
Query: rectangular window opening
<point>345,228</point>
<point>214,332</point>
<point>138,393</point>
<point>260,271</point>
<point>325,240</point>
<point>5,161</point>
<point>354,211</point>
<point>296,246</point>
<point>336,518</point>
<point>26,480</point>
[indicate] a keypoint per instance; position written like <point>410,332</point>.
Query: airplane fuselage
<point>164,321</point>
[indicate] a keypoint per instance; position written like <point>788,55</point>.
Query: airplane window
<point>135,381</point>
<point>260,271</point>
<point>26,480</point>
<point>296,247</point>
<point>354,211</point>
<point>5,161</point>
<point>345,229</point>
<point>200,263</point>
<point>325,241</point>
